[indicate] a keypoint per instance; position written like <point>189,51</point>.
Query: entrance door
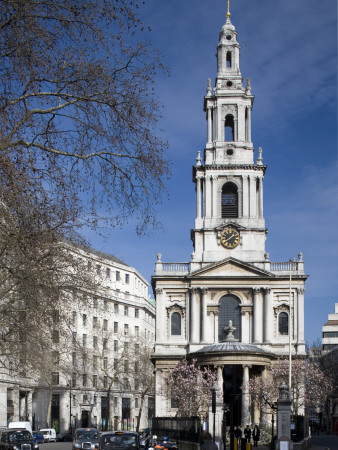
<point>85,419</point>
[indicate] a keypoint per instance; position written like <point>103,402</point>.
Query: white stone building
<point>230,276</point>
<point>330,331</point>
<point>119,311</point>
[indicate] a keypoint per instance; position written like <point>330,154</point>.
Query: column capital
<point>204,290</point>
<point>158,291</point>
<point>194,290</point>
<point>300,290</point>
<point>267,289</point>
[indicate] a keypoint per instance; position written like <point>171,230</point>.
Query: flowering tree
<point>188,387</point>
<point>309,386</point>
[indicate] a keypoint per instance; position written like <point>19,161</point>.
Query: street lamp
<point>214,389</point>
<point>290,325</point>
<point>70,407</point>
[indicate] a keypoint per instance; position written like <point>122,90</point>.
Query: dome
<point>231,347</point>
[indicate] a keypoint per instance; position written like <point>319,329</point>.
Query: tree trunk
<point>49,409</point>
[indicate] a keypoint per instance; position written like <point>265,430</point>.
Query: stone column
<point>249,125</point>
<point>245,312</point>
<point>209,132</point>
<point>235,129</point>
<point>208,196</point>
<point>245,397</point>
<point>268,315</point>
<point>198,198</point>
<point>246,197</point>
<point>260,193</point>
<point>214,196</point>
<point>195,316</point>
<point>204,316</point>
<point>161,317</point>
<point>300,314</point>
<point>252,190</point>
<point>257,317</point>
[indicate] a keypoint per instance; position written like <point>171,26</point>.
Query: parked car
<point>49,434</point>
<point>86,438</point>
<point>64,437</point>
<point>19,425</point>
<point>38,437</point>
<point>13,439</point>
<point>120,440</point>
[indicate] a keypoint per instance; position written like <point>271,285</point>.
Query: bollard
<point>248,446</point>
<point>235,444</point>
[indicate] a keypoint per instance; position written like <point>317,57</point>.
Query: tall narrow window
<point>175,324</point>
<point>229,128</point>
<point>283,323</point>
<point>229,59</point>
<point>229,200</point>
<point>229,309</point>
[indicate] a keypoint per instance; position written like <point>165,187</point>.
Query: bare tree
<point>77,107</point>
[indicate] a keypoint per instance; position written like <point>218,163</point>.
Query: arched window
<point>229,200</point>
<point>176,324</point>
<point>229,59</point>
<point>229,309</point>
<point>283,323</point>
<point>229,128</point>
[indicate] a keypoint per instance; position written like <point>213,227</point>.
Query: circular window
<point>229,37</point>
<point>230,152</point>
<point>229,83</point>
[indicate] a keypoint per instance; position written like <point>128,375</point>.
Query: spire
<point>228,11</point>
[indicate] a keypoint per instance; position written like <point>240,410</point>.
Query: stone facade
<point>120,310</point>
<point>330,331</point>
<point>230,281</point>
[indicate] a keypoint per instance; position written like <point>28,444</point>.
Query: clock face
<point>229,237</point>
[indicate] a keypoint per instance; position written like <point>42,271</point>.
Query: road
<point>56,446</point>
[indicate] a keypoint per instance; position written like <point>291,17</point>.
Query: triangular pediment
<point>230,267</point>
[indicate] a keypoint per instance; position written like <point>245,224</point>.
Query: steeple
<point>229,184</point>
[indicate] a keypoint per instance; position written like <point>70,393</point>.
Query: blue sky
<point>289,50</point>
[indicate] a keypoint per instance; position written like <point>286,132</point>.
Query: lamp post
<point>290,325</point>
<point>214,389</point>
<point>70,407</point>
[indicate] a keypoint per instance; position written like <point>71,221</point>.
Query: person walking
<point>247,434</point>
<point>238,436</point>
<point>255,435</point>
<point>207,443</point>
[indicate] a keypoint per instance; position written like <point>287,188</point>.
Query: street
<point>56,446</point>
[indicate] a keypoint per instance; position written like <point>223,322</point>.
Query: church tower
<point>229,307</point>
<point>229,184</point>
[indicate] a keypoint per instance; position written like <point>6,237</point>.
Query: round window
<point>230,152</point>
<point>229,83</point>
<point>229,37</point>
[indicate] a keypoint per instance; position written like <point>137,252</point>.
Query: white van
<point>49,434</point>
<point>23,425</point>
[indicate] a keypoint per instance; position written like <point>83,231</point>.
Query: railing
<point>284,266</point>
<point>175,267</point>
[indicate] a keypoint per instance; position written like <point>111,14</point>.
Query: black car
<point>120,440</point>
<point>64,437</point>
<point>17,439</point>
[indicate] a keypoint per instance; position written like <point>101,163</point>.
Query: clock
<point>230,237</point>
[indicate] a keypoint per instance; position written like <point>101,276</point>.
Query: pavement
<point>322,441</point>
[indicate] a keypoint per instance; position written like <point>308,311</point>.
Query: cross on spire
<point>228,11</point>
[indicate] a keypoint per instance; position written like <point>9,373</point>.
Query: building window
<point>283,323</point>
<point>115,364</point>
<point>137,349</point>
<point>228,60</point>
<point>137,384</point>
<point>137,366</point>
<point>95,381</point>
<point>107,272</point>
<point>116,308</point>
<point>137,330</point>
<point>74,317</point>
<point>98,269</point>
<point>105,362</point>
<point>116,327</point>
<point>84,380</point>
<point>89,266</point>
<point>137,313</point>
<point>84,320</point>
<point>84,340</point>
<point>115,402</point>
<point>94,341</point>
<point>118,275</point>
<point>105,382</point>
<point>229,128</point>
<point>105,304</point>
<point>126,329</point>
<point>74,336</point>
<point>116,383</point>
<point>136,402</point>
<point>55,337</point>
<point>94,362</point>
<point>229,309</point>
<point>105,343</point>
<point>116,346</point>
<point>74,380</point>
<point>126,310</point>
<point>229,200</point>
<point>105,324</point>
<point>94,322</point>
<point>176,324</point>
<point>127,278</point>
<point>94,302</point>
<point>55,378</point>
<point>74,359</point>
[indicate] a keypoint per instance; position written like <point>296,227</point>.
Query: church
<point>230,307</point>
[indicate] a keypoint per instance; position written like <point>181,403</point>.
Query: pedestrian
<point>247,434</point>
<point>207,443</point>
<point>238,436</point>
<point>255,435</point>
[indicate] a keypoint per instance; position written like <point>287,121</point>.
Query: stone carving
<point>229,331</point>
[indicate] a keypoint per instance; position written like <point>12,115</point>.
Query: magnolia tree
<point>188,386</point>
<point>309,386</point>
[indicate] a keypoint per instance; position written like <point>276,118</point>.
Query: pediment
<point>230,267</point>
